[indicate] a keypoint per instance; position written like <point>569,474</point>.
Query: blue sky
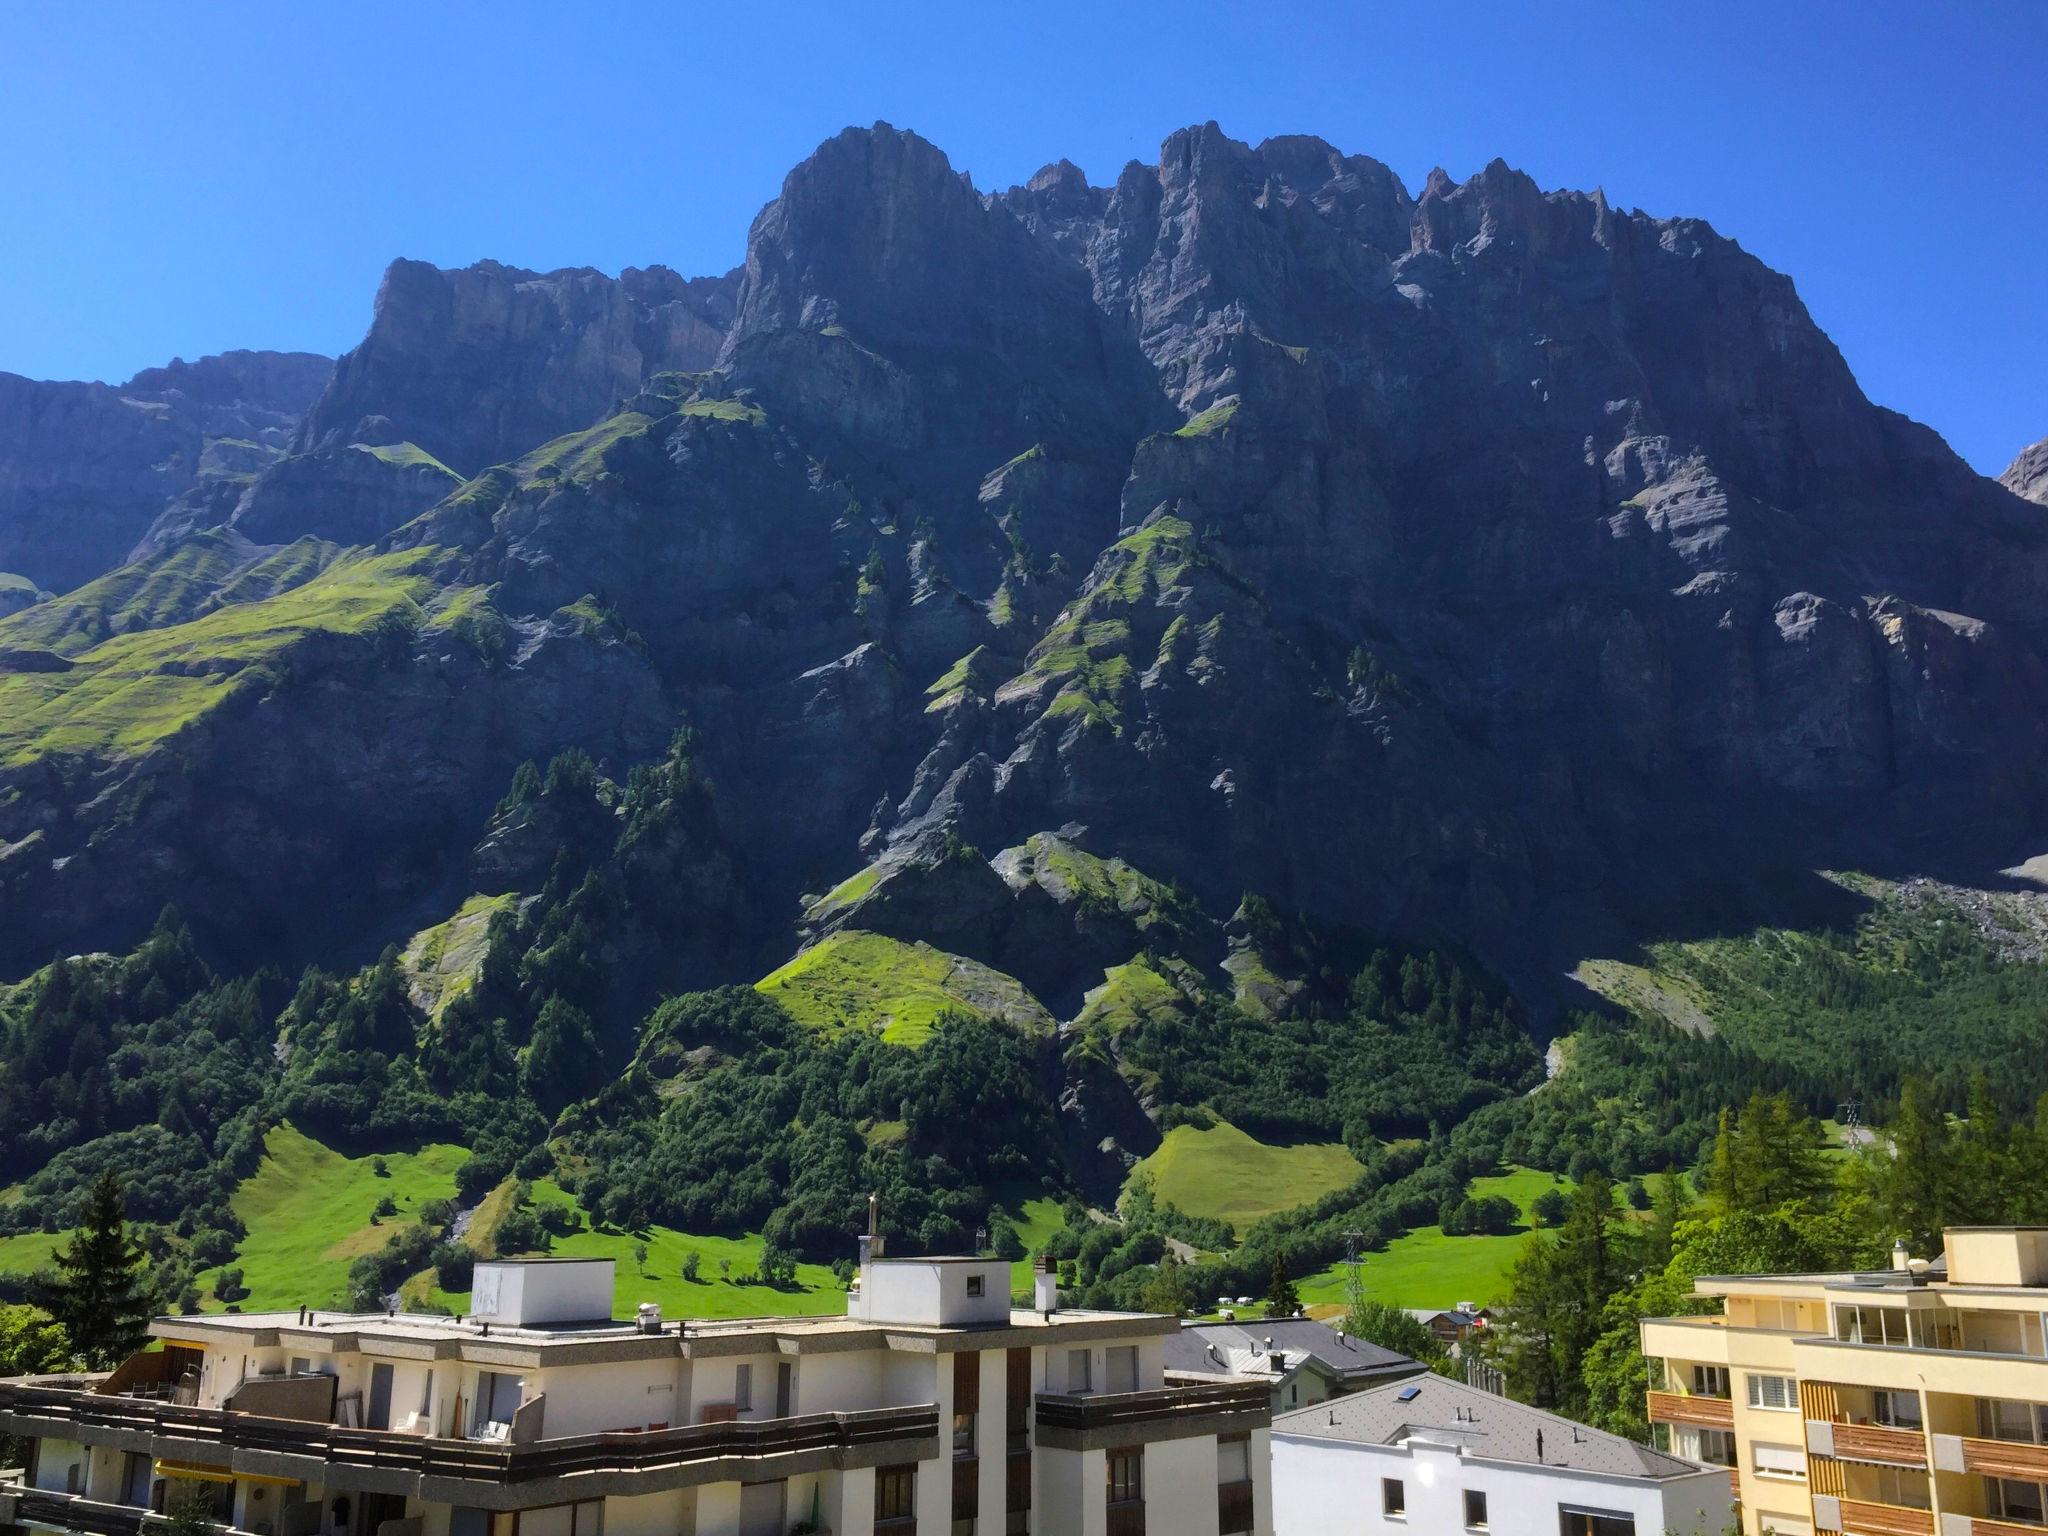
<point>183,179</point>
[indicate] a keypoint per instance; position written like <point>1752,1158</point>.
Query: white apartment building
<point>1432,1455</point>
<point>930,1408</point>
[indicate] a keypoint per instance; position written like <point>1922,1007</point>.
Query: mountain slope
<point>1489,563</point>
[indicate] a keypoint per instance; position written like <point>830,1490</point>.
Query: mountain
<point>2027,475</point>
<point>1094,605</point>
<point>86,468</point>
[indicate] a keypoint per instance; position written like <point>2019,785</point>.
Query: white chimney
<point>649,1317</point>
<point>1901,1259</point>
<point>1045,1285</point>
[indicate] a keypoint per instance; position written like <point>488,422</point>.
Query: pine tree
<point>1916,1187</point>
<point>99,1296</point>
<point>1667,1208</point>
<point>1281,1299</point>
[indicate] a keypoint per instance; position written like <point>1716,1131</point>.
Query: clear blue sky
<point>180,179</point>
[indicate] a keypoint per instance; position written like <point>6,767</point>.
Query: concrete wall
<point>558,1291</point>
<point>1180,1486</point>
<point>933,1293</point>
<point>1321,1486</point>
<point>586,1400</point>
<point>1068,1494</point>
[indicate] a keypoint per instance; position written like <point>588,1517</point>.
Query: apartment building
<point>931,1408</point>
<point>1911,1401</point>
<point>1301,1360</point>
<point>1434,1455</point>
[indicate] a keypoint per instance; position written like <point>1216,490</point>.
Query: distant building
<point>1304,1361</point>
<point>1435,1456</point>
<point>1450,1326</point>
<point>1909,1401</point>
<point>930,1407</point>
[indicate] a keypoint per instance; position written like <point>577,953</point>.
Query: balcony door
<point>380,1397</point>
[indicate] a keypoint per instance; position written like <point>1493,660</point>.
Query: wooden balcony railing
<point>27,1409</point>
<point>1980,1526</point>
<point>1684,1408</point>
<point>1877,1442</point>
<point>1862,1518</point>
<point>2019,1459</point>
<point>1251,1403</point>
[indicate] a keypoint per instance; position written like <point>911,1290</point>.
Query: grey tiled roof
<point>1496,1428</point>
<point>1241,1349</point>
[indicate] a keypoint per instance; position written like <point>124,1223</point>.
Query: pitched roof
<point>1496,1428</point>
<point>1246,1349</point>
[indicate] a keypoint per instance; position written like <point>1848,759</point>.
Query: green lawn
<point>307,1208</point>
<point>1223,1172</point>
<point>1424,1268</point>
<point>712,1295</point>
<point>26,1252</point>
<point>1037,1220</point>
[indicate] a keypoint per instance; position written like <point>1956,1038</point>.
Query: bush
<point>1549,1207</point>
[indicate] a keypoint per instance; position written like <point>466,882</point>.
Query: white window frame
<point>1753,1382</point>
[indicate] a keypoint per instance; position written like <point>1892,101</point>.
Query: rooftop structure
<point>1304,1361</point>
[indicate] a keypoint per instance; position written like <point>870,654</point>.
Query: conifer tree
<point>1281,1299</point>
<point>98,1295</point>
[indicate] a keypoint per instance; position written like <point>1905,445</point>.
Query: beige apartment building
<point>931,1408</point>
<point>1911,1401</point>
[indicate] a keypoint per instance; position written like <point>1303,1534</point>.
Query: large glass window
<point>2016,1501</point>
<point>2002,1419</point>
<point>1896,1410</point>
<point>1710,1381</point>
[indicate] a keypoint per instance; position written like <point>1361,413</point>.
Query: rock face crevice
<point>1479,561</point>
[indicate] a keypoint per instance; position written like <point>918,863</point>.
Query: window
<point>966,1401</point>
<point>1896,1410</point>
<point>1233,1459</point>
<point>1998,1419</point>
<point>1078,1378</point>
<point>743,1389</point>
<point>1778,1460</point>
<point>1121,1368</point>
<point>2016,1501</point>
<point>1393,1498</point>
<point>1594,1522</point>
<point>977,1285</point>
<point>1715,1446</point>
<point>1871,1325</point>
<point>1475,1510</point>
<point>1772,1392</point>
<point>1710,1381</point>
<point>1126,1475</point>
<point>895,1494</point>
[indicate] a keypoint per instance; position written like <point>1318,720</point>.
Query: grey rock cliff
<point>2027,475</point>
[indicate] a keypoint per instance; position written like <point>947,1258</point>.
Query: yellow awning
<point>199,1473</point>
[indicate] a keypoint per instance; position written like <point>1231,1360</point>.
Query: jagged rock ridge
<point>1485,562</point>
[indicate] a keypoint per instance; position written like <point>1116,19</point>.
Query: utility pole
<point>1354,1272</point>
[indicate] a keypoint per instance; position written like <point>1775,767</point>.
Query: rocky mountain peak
<point>2027,475</point>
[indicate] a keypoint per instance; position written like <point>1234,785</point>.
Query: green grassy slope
<point>714,1294</point>
<point>866,981</point>
<point>1224,1173</point>
<point>307,1208</point>
<point>1427,1269</point>
<point>125,696</point>
<point>441,962</point>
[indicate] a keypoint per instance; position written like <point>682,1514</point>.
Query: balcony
<point>74,1512</point>
<point>1978,1525</point>
<point>2021,1460</point>
<point>1878,1443</point>
<point>1692,1409</point>
<point>1862,1517</point>
<point>1112,1419</point>
<point>1126,1517</point>
<point>489,1475</point>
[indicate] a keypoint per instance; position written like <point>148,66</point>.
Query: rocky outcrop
<point>476,366</point>
<point>352,494</point>
<point>2027,475</point>
<point>86,468</point>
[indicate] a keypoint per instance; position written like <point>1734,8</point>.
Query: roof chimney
<point>1901,1259</point>
<point>1045,1285</point>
